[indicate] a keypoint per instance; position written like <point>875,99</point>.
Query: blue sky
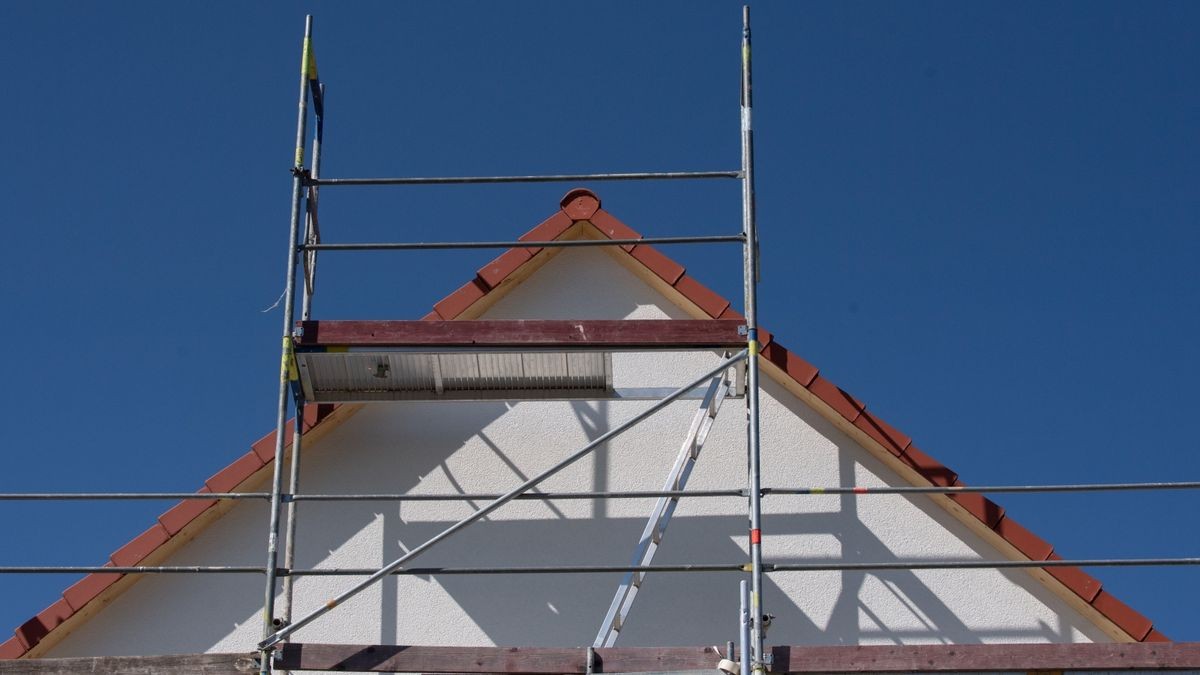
<point>980,218</point>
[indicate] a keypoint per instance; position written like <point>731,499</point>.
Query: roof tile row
<point>169,524</point>
<point>582,205</point>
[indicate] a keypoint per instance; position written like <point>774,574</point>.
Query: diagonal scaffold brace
<point>277,637</point>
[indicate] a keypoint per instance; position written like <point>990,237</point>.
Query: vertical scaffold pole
<point>289,542</point>
<point>744,629</point>
<point>750,281</point>
<point>285,364</point>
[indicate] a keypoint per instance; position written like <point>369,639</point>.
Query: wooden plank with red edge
<point>527,660</point>
<point>524,334</point>
<point>786,659</point>
<point>995,657</point>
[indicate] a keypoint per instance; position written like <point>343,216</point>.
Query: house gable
<point>838,428</point>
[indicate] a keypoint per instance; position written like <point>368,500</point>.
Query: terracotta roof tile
<point>265,446</point>
<point>892,439</point>
<point>231,476</point>
<point>987,511</point>
<point>797,368</point>
<point>548,230</point>
<point>313,414</point>
<point>1081,583</point>
<point>505,264</point>
<point>83,591</point>
<point>846,405</point>
<point>710,302</point>
<point>579,204</point>
<point>1123,615</point>
<point>731,313</point>
<point>187,510</point>
<point>1155,636</point>
<point>1028,543</point>
<point>458,301</point>
<point>11,648</point>
<point>142,545</point>
<point>32,631</point>
<point>934,471</point>
<point>666,269</point>
<point>613,228</point>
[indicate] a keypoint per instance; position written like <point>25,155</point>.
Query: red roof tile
<point>797,368</point>
<point>1123,615</point>
<point>505,264</point>
<point>666,269</point>
<point>185,512</point>
<point>892,439</point>
<point>1081,583</point>
<point>548,230</point>
<point>228,478</point>
<point>706,299</point>
<point>458,301</point>
<point>32,631</point>
<point>612,228</point>
<point>142,545</point>
<point>86,589</point>
<point>731,313</point>
<point>1155,636</point>
<point>1028,543</point>
<point>12,648</point>
<point>985,510</point>
<point>932,470</point>
<point>578,205</point>
<point>844,404</point>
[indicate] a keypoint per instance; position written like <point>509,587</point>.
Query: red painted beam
<point>526,334</point>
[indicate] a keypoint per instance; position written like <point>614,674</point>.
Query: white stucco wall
<point>492,446</point>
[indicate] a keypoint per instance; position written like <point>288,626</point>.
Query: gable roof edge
<point>580,216</point>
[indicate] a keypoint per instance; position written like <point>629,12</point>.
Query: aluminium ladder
<point>664,508</point>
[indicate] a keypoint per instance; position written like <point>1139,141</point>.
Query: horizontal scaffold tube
<point>553,243</point>
<point>548,178</point>
<point>774,568</point>
<point>612,494</point>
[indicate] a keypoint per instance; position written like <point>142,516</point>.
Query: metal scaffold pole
<point>306,293</point>
<point>750,280</point>
<point>285,362</point>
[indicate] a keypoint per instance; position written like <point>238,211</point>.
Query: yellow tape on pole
<point>287,369</point>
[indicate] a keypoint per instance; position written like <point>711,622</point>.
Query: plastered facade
<point>489,447</point>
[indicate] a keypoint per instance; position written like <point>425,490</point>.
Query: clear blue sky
<point>980,218</point>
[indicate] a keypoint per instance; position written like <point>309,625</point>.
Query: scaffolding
<point>399,374</point>
<point>423,360</point>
